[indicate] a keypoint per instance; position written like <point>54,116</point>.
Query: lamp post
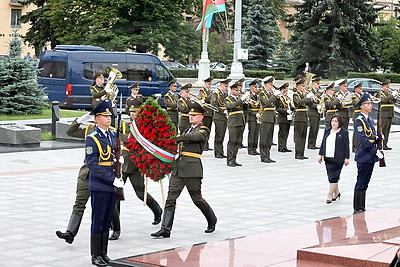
<point>237,68</point>
<point>204,62</point>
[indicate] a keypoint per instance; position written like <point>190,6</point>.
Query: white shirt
<point>330,145</point>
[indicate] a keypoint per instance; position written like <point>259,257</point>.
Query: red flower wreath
<point>155,125</point>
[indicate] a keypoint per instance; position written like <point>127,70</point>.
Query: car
<point>219,66</point>
<point>173,65</point>
<point>192,66</point>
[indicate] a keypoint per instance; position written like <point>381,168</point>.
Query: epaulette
<point>359,117</point>
<point>93,134</point>
<point>112,128</point>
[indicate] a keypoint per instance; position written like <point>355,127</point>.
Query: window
<point>162,74</point>
<point>92,67</point>
<point>139,72</point>
<point>15,18</point>
<point>52,69</point>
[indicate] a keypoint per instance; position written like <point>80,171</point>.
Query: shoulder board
<point>359,117</point>
<point>93,134</point>
<point>112,128</point>
<point>139,95</point>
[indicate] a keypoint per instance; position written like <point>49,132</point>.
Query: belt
<point>345,107</point>
<point>387,105</point>
<point>171,108</point>
<point>371,140</point>
<point>301,109</point>
<point>357,110</point>
<point>191,154</point>
<point>254,109</point>
<point>106,163</point>
<point>236,112</point>
<point>184,114</point>
<point>269,109</point>
<point>222,107</point>
<point>331,110</point>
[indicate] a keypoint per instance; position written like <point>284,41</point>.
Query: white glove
<point>319,107</point>
<point>225,112</point>
<point>158,95</point>
<point>243,97</point>
<point>84,118</point>
<point>289,111</point>
<point>309,95</point>
<point>118,182</point>
<point>121,160</point>
<point>395,94</point>
<point>379,154</point>
<point>277,92</point>
<point>258,115</point>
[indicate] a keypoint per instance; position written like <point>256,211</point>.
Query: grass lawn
<point>46,114</point>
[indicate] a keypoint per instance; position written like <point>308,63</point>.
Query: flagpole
<point>204,62</point>
<point>237,68</point>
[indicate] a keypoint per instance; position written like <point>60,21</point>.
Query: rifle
<point>120,191</point>
<point>379,141</point>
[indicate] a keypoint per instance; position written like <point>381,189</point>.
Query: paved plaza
<point>38,192</point>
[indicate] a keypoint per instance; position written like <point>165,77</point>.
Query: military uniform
<point>188,172</point>
<point>135,101</point>
<point>300,123</point>
<point>284,109</point>
<point>343,109</point>
<point>171,102</point>
<point>356,112</point>
<point>183,108</point>
<point>205,96</point>
<point>97,93</point>
<point>253,125</point>
<point>387,101</point>
<point>314,118</point>
<point>268,119</point>
<point>331,105</point>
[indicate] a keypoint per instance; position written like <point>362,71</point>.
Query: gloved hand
<point>121,160</point>
<point>289,111</point>
<point>319,107</point>
<point>277,92</point>
<point>309,95</point>
<point>225,112</point>
<point>379,154</point>
<point>395,94</point>
<point>84,118</point>
<point>158,95</point>
<point>118,182</point>
<point>258,115</point>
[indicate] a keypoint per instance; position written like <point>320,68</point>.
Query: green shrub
<point>393,77</point>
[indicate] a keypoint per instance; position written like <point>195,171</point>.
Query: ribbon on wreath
<point>157,152</point>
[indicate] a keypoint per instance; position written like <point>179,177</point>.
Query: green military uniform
<point>188,172</point>
<point>205,96</point>
<point>300,123</point>
<point>268,119</point>
<point>253,125</point>
<point>245,110</point>
<point>171,102</point>
<point>314,118</point>
<point>235,106</point>
<point>343,109</point>
<point>183,108</point>
<point>356,112</point>
<point>284,109</point>
<point>387,101</point>
<point>331,104</point>
<point>97,92</point>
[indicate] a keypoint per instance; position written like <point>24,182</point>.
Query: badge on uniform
<point>360,128</point>
<point>89,150</point>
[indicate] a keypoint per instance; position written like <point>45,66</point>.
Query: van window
<point>52,69</point>
<point>92,67</point>
<point>139,72</point>
<point>162,74</point>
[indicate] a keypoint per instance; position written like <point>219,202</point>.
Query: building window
<point>15,18</point>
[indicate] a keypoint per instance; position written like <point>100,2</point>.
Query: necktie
<point>108,136</point>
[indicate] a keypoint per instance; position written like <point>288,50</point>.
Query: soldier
<point>344,107</point>
<point>355,99</point>
<point>205,94</point>
<point>387,100</point>
<point>82,186</point>
<point>284,109</point>
<point>314,116</point>
<point>245,111</point>
<point>97,88</point>
<point>367,152</point>
<point>135,99</point>
<point>183,107</point>
<point>100,151</point>
<point>171,102</point>
<point>188,172</point>
<point>300,101</point>
<point>253,118</point>
<point>220,118</point>
<point>331,103</point>
<point>234,105</point>
<point>268,100</point>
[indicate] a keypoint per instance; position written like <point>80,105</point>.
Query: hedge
<point>184,73</point>
<point>393,77</point>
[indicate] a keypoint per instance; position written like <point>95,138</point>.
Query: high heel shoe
<point>328,201</point>
<point>337,197</point>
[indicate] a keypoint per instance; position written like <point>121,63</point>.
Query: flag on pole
<point>210,7</point>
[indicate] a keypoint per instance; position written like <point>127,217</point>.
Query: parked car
<point>192,66</point>
<point>219,66</point>
<point>173,65</point>
<point>369,85</point>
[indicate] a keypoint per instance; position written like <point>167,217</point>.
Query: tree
<point>389,46</point>
<point>218,49</point>
<point>19,90</point>
<point>283,59</point>
<point>261,34</point>
<point>334,36</point>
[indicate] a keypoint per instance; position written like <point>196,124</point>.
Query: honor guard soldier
<point>300,100</point>
<point>205,94</point>
<point>367,152</point>
<point>234,105</point>
<point>253,118</point>
<point>135,99</point>
<point>387,99</point>
<point>100,151</point>
<point>188,172</point>
<point>331,103</point>
<point>183,107</point>
<point>358,91</point>
<point>220,117</point>
<point>284,109</point>
<point>345,103</point>
<point>171,102</point>
<point>267,99</point>
<point>97,88</point>
<point>82,185</point>
<point>314,116</point>
<point>245,110</point>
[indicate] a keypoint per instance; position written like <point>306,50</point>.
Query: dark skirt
<point>333,170</point>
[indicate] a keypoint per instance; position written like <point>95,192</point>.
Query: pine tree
<point>283,59</point>
<point>334,36</point>
<point>260,33</point>
<point>19,90</point>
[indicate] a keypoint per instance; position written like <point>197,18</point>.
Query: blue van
<point>66,73</point>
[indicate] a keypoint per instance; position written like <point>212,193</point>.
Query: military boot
<point>95,250</point>
<point>362,200</point>
<point>357,202</point>
<point>211,219</point>
<point>72,229</point>
<point>157,211</point>
<point>104,247</point>
<point>166,225</point>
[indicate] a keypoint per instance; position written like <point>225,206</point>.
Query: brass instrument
<point>308,81</point>
<point>347,99</point>
<point>111,88</point>
<point>321,104</point>
<point>213,108</point>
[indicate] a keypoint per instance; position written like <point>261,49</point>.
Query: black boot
<point>115,224</point>
<point>72,229</point>
<point>95,250</point>
<point>157,211</point>
<point>104,246</point>
<point>211,220</point>
<point>166,225</point>
<point>362,200</point>
<point>357,202</point>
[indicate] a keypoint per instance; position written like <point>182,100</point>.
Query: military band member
<point>358,91</point>
<point>387,100</point>
<point>220,117</point>
<point>344,107</point>
<point>97,89</point>
<point>300,100</point>
<point>205,94</point>
<point>268,119</point>
<point>253,118</point>
<point>100,151</point>
<point>183,107</point>
<point>234,105</point>
<point>188,172</point>
<point>246,110</point>
<point>314,116</point>
<point>284,109</point>
<point>171,102</point>
<point>331,103</point>
<point>367,152</point>
<point>135,99</point>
